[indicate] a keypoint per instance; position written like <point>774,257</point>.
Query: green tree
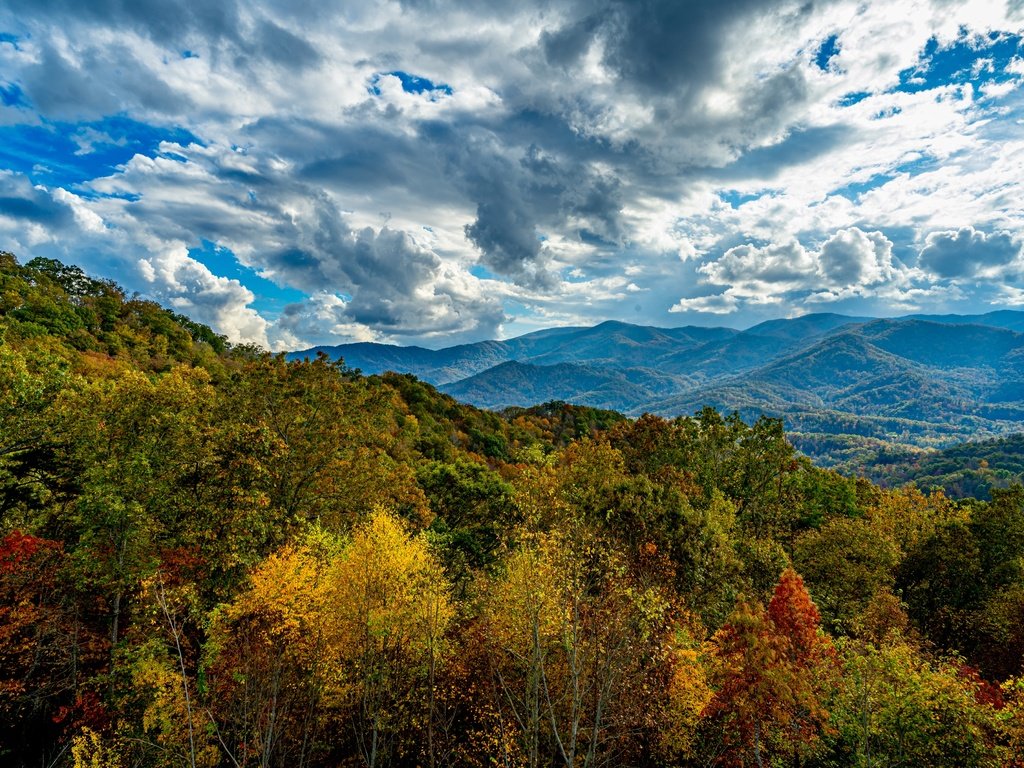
<point>846,562</point>
<point>898,708</point>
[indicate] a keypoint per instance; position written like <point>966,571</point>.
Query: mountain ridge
<point>918,380</point>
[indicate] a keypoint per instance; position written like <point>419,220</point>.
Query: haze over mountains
<point>836,381</point>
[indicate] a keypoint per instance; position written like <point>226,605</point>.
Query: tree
<point>942,584</point>
<point>46,653</point>
<point>163,672</point>
<point>687,694</point>
<point>748,464</point>
<point>268,661</point>
<point>574,644</point>
<point>29,472</point>
<point>390,609</point>
<point>338,449</point>
<point>137,444</point>
<point>908,516</point>
<point>473,509</point>
<point>774,673</point>
<point>846,561</point>
<point>899,708</point>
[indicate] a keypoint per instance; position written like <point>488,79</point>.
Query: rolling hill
<point>921,381</point>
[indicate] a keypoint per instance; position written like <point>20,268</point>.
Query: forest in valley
<point>213,556</point>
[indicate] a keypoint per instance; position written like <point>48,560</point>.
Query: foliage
<point>213,556</point>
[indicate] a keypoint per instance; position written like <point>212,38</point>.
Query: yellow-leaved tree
<point>268,661</point>
<point>576,648</point>
<point>390,611</point>
<point>333,650</point>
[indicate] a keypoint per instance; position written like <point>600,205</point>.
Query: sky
<point>432,172</point>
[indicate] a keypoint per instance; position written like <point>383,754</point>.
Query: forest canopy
<point>211,556</point>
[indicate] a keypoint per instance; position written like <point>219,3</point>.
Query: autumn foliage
<point>211,556</point>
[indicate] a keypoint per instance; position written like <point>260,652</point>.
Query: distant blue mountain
<point>610,343</point>
<point>921,380</point>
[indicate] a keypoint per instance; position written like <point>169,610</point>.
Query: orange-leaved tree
<point>774,671</point>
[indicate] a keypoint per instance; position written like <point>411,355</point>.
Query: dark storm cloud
<point>381,271</point>
<point>672,56</point>
<point>964,252</point>
<point>20,200</point>
<point>506,235</point>
<point>165,21</point>
<point>518,194</point>
<point>517,203</point>
<point>564,47</point>
<point>397,287</point>
<point>363,157</point>
<point>110,78</point>
<point>359,168</point>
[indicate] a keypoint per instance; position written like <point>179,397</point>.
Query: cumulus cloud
<point>967,252</point>
<point>852,257</point>
<point>759,272</point>
<point>396,287</point>
<point>189,287</point>
<point>849,263</point>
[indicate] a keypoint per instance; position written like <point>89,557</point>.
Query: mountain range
<point>841,384</point>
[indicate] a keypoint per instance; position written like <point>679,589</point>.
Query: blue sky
<point>448,172</point>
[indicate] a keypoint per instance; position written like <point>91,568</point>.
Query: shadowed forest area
<point>211,556</point>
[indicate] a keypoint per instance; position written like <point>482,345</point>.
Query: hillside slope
<point>918,381</point>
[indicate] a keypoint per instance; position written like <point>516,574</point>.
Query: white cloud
<point>755,273</point>
<point>189,287</point>
<point>715,304</point>
<point>850,263</point>
<point>852,257</point>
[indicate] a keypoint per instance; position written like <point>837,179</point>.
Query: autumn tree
<point>165,673</point>
<point>390,610</point>
<point>774,670</point>
<point>574,644</point>
<point>909,516</point>
<point>29,473</point>
<point>268,661</point>
<point>47,653</point>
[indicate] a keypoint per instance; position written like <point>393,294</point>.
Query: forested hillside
<point>211,556</point>
<point>966,470</point>
<point>840,384</point>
